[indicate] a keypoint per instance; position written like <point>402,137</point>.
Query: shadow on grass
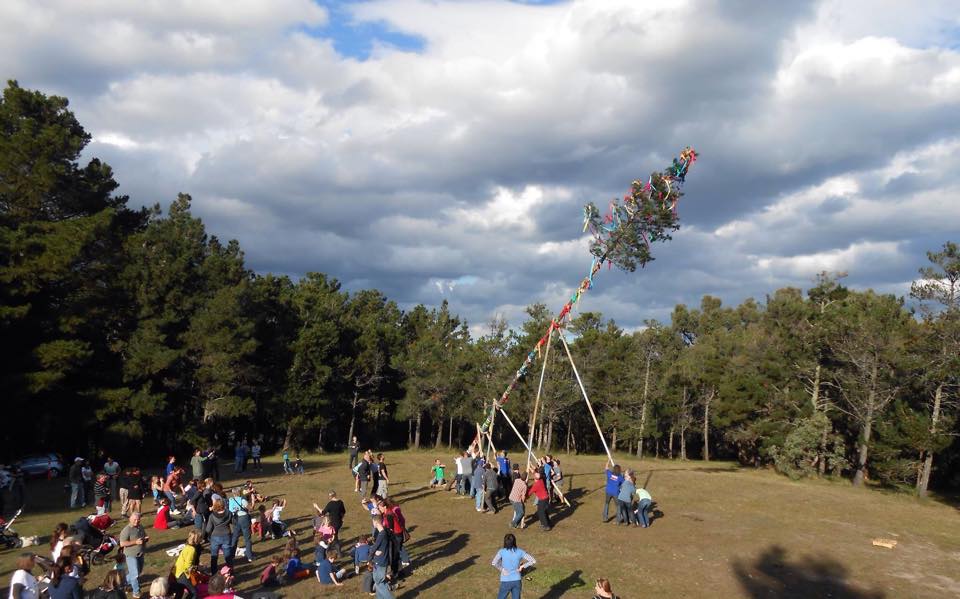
<point>772,575</point>
<point>449,572</point>
<point>562,512</point>
<point>562,587</point>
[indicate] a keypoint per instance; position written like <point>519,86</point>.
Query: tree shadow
<point>771,575</point>
<point>448,572</point>
<point>563,586</point>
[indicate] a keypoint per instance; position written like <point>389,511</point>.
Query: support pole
<point>529,450</point>
<point>479,440</point>
<point>536,403</point>
<point>587,399</point>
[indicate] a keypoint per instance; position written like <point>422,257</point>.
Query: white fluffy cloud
<point>828,134</point>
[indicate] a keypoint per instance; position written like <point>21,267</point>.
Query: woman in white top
<point>57,540</point>
<point>23,585</point>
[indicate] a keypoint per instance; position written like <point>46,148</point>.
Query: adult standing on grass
<point>363,473</point>
<point>384,479</point>
<point>543,500</point>
<point>219,531</point>
<point>381,557</point>
<point>354,448</point>
<point>123,491</point>
<point>197,464</point>
<point>255,452</point>
<point>133,539</point>
<point>240,509</point>
<point>612,490</point>
<point>137,487</point>
<point>511,561</point>
<point>491,486</point>
<point>625,499</point>
<point>518,494</point>
<point>86,472</point>
<point>336,510</point>
<point>77,498</point>
<point>112,469</point>
<point>23,584</point>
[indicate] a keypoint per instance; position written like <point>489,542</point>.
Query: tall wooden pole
<point>587,399</point>
<point>529,450</point>
<point>536,403</point>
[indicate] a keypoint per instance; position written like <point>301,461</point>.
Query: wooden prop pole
<point>536,403</point>
<point>530,451</point>
<point>587,399</point>
<point>479,440</point>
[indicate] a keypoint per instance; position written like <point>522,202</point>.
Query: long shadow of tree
<point>771,575</point>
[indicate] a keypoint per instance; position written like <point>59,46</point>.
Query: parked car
<point>43,464</point>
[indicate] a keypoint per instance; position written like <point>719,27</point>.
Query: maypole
<point>621,238</point>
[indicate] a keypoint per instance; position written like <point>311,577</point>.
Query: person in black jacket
<point>77,497</point>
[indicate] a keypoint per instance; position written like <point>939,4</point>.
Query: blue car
<point>44,464</point>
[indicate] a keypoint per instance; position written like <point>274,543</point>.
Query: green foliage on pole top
<point>648,214</point>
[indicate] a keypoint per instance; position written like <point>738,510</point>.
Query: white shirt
<point>276,513</point>
<point>30,589</point>
<point>56,551</point>
<point>460,467</point>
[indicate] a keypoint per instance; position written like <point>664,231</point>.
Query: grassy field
<point>725,532</point>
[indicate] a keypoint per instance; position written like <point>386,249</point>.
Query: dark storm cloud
<point>826,131</point>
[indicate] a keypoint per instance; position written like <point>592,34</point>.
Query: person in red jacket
<point>543,500</point>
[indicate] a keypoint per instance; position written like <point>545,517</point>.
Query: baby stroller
<point>9,537</point>
<point>95,544</point>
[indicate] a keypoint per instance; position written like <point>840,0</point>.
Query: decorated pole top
<point>622,237</point>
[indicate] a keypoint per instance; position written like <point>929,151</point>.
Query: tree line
<point>135,329</point>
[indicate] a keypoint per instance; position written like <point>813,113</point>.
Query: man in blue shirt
<point>381,557</point>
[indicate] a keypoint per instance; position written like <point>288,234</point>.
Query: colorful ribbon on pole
<point>621,238</point>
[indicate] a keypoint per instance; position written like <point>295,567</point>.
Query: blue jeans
<point>642,517</point>
<point>380,585</point>
<point>134,567</point>
<point>479,494</point>
<point>511,588</point>
<point>517,514</point>
<point>624,512</point>
<point>216,543</point>
<point>606,507</point>
<point>243,526</point>
<point>76,494</point>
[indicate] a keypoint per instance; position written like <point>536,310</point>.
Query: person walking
<point>220,532</point>
<point>363,473</point>
<point>612,490</point>
<point>133,539</point>
<point>381,558</point>
<point>511,561</point>
<point>543,500</point>
<point>240,508</point>
<point>354,448</point>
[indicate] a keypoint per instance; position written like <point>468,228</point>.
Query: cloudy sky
<point>444,149</point>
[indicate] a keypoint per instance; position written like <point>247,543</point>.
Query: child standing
<point>437,474</point>
<point>286,461</point>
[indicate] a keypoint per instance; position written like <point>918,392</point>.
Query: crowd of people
<point>216,518</point>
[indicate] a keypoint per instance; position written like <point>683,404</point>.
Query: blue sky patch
<point>356,39</point>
